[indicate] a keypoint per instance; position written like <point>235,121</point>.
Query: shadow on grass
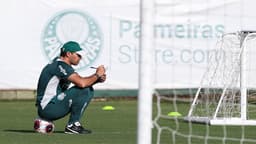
<point>26,131</point>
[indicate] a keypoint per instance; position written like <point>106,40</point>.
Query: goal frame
<point>146,73</point>
<point>243,119</point>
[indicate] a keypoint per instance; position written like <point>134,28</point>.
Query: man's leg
<point>80,103</point>
<point>77,107</point>
<point>74,100</point>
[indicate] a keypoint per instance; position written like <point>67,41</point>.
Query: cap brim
<point>82,53</point>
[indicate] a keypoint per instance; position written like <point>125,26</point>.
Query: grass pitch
<point>115,127</point>
<point>109,127</point>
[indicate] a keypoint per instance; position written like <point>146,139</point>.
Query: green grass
<point>114,127</point>
<point>109,127</point>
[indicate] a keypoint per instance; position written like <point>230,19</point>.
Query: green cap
<point>71,46</point>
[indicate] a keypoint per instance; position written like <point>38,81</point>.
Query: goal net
<point>203,77</point>
<point>222,97</point>
<point>222,110</point>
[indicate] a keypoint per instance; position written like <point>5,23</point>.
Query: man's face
<point>75,58</point>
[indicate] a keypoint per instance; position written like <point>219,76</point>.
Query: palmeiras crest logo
<point>73,25</point>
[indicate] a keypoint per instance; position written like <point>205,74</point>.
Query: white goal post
<point>222,96</point>
<point>146,67</point>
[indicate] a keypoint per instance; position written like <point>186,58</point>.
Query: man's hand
<point>100,70</point>
<point>101,73</point>
<point>102,78</point>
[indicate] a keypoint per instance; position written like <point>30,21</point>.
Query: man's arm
<point>82,82</point>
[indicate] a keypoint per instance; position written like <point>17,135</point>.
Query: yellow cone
<point>174,114</point>
<point>108,108</point>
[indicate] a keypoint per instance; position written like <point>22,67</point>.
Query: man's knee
<point>86,93</point>
<point>80,93</point>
